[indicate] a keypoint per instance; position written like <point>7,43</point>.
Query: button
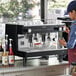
<point>60,28</point>
<point>29,30</point>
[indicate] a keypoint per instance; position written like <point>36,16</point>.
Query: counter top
<point>33,64</point>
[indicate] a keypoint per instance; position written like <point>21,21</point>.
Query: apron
<point>72,55</point>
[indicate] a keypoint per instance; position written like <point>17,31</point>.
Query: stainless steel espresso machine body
<point>30,41</point>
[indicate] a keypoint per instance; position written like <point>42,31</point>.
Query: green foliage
<point>12,8</point>
<point>58,3</point>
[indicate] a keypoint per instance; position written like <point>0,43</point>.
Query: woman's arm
<point>62,42</point>
<point>72,37</point>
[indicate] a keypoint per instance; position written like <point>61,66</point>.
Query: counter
<point>37,67</point>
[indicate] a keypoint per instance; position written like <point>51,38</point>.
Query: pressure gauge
<point>60,28</point>
<point>29,30</point>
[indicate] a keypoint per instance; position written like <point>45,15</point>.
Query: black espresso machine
<point>36,40</point>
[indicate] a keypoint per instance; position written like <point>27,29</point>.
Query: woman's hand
<point>62,42</point>
<point>67,29</point>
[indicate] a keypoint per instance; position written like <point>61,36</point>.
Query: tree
<point>12,8</point>
<point>25,6</point>
<point>58,3</point>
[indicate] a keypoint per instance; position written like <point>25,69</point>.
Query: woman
<point>71,44</point>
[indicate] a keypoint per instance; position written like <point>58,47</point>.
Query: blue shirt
<point>72,36</point>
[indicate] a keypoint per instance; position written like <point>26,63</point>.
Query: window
<point>11,10</point>
<point>56,8</point>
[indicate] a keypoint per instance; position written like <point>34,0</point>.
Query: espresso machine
<point>31,41</point>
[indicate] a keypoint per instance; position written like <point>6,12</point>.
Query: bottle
<point>5,57</point>
<point>1,49</point>
<point>6,42</point>
<point>11,54</point>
